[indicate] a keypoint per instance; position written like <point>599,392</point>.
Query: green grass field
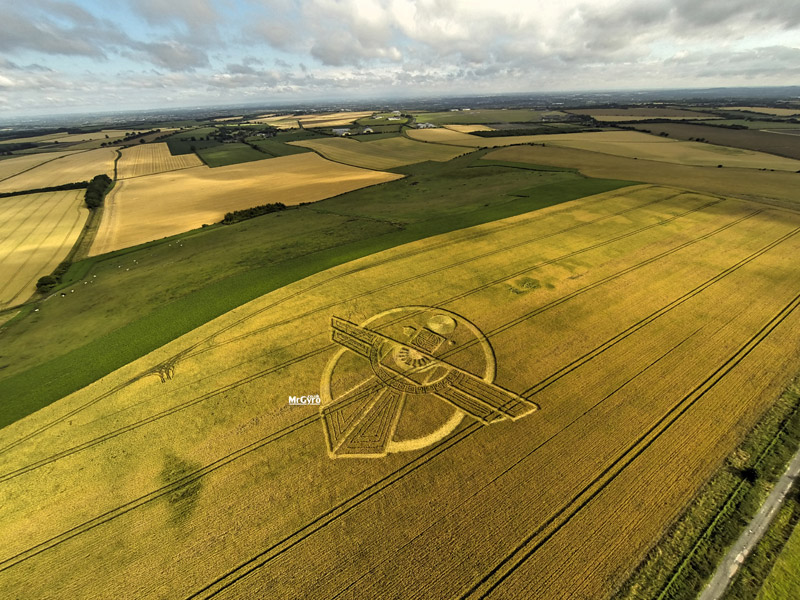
<point>142,298</point>
<point>196,132</point>
<point>784,580</point>
<point>221,155</point>
<point>275,147</point>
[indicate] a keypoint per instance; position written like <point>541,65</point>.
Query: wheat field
<point>149,159</point>
<point>70,168</point>
<point>649,326</point>
<point>629,144</point>
<point>151,207</point>
<point>9,167</point>
<point>36,233</point>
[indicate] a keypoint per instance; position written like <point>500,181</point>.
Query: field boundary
<point>192,476</point>
<point>45,383</point>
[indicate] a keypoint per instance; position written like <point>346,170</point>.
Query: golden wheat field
<point>36,233</point>
<point>773,187</point>
<point>331,119</point>
<point>149,159</point>
<point>468,128</point>
<point>514,410</point>
<point>630,144</point>
<point>9,167</point>
<point>147,208</point>
<point>385,153</point>
<point>75,137</point>
<point>72,167</point>
<point>281,121</point>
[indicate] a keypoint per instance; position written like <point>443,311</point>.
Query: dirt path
<point>750,537</point>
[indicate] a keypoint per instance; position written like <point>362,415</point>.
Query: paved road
<point>749,538</point>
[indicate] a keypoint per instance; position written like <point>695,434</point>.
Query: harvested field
<point>749,139</point>
<point>77,166</point>
<point>187,474</point>
<point>68,138</point>
<point>767,110</point>
<point>281,121</point>
<point>384,153</point>
<point>468,128</point>
<point>36,233</point>
<point>447,136</point>
<point>148,159</point>
<point>631,144</point>
<point>147,208</point>
<point>17,164</point>
<point>764,186</point>
<point>331,119</point>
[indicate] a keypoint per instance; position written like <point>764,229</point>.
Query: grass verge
<point>762,576</point>
<point>688,553</point>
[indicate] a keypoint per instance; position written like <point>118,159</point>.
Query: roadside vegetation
<point>687,555</point>
<point>771,570</point>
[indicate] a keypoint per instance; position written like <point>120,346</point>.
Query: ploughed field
<point>513,410</point>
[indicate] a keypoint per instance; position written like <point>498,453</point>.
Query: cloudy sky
<point>87,55</point>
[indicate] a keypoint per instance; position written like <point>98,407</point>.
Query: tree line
<point>78,185</point>
<point>256,211</point>
<point>97,189</point>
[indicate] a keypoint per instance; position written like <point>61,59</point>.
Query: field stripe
<point>530,453</point>
<point>449,266</point>
<point>47,238</point>
<point>547,530</point>
<point>328,347</point>
<point>62,249</point>
<point>105,517</point>
<point>186,352</point>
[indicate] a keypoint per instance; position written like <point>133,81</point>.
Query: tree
<point>46,283</point>
<point>141,141</point>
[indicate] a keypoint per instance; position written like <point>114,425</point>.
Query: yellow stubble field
<point>635,336</point>
<point>468,128</point>
<point>72,167</point>
<point>149,159</point>
<point>36,233</point>
<point>155,206</point>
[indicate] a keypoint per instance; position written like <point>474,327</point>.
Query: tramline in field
<point>698,299</point>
